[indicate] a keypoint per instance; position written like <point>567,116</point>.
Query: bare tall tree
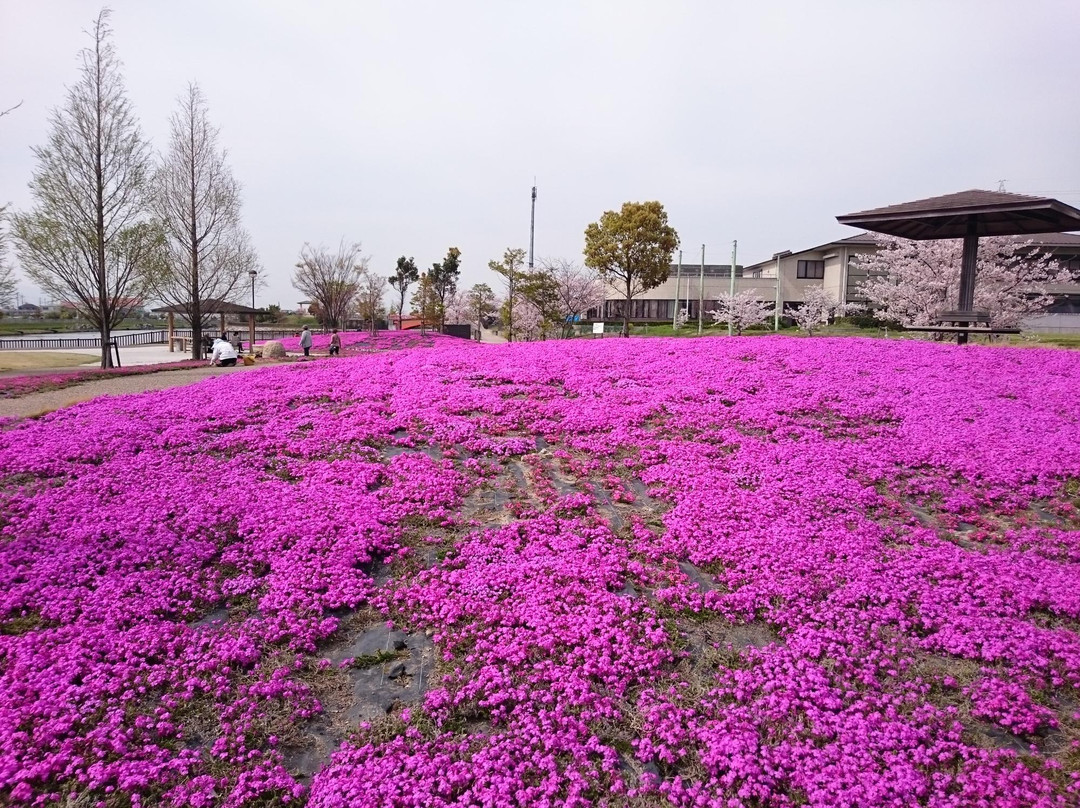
<point>332,281</point>
<point>405,275</point>
<point>197,202</point>
<point>512,270</point>
<point>86,240</point>
<point>369,299</point>
<point>480,301</point>
<point>7,275</point>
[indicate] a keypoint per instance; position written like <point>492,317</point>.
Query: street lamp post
<point>251,335</point>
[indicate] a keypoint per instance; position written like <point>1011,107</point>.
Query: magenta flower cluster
<point>720,572</point>
<point>18,386</point>
<point>361,341</point>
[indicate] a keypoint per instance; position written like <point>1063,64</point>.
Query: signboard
<point>598,328</point>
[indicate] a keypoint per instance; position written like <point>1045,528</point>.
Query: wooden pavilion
<point>968,215</point>
<point>208,306</point>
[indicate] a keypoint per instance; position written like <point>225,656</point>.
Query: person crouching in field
<point>335,343</point>
<point>224,353</point>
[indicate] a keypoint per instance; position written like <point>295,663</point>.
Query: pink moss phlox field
<point>720,572</point>
<point>361,341</point>
<point>18,386</point>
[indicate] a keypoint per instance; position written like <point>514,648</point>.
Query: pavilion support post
<point>172,331</point>
<point>967,272</point>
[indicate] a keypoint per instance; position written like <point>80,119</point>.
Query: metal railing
<point>260,333</point>
<point>54,343</point>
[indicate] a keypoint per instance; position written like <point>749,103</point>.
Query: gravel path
<point>38,403</point>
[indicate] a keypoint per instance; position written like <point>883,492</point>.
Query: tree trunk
<point>196,292</point>
<point>99,224</point>
<point>510,311</point>
<point>626,311</point>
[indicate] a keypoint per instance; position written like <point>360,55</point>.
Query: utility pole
<point>779,302</point>
<point>532,224</point>
<point>701,292</point>
<point>731,287</point>
<point>678,282</point>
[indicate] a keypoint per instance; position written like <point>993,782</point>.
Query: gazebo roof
<point>208,306</point>
<point>994,213</point>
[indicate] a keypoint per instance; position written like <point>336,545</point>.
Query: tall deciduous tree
<point>405,275</point>
<point>444,279</point>
<point>481,304</point>
<point>742,310</point>
<point>631,250</point>
<point>577,289</point>
<point>197,202</point>
<point>86,240</point>
<point>369,299</point>
<point>331,280</point>
<point>513,274</point>
<point>541,290</point>
<point>425,303</point>
<point>7,275</point>
<point>910,281</point>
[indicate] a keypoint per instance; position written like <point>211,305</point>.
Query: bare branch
<point>87,240</point>
<point>331,280</point>
<point>208,256</point>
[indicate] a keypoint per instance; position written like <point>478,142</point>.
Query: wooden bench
<point>969,321</point>
<point>185,341</point>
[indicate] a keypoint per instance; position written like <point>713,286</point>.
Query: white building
<point>830,265</point>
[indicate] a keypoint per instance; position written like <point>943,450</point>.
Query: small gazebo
<point>208,306</point>
<point>968,215</point>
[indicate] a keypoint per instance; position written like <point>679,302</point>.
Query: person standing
<point>305,341</point>
<point>335,343</point>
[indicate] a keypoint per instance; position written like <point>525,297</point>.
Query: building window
<point>810,270</point>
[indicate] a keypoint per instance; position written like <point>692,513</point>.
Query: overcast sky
<point>415,126</point>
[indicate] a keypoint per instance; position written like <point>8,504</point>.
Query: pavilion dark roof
<point>209,306</point>
<point>994,213</point>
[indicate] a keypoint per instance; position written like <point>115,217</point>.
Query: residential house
<point>832,265</point>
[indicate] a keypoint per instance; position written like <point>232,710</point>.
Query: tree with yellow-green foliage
<point>631,249</point>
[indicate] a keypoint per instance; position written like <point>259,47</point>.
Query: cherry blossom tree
<point>910,281</point>
<point>458,307</point>
<point>529,322</point>
<point>682,317</point>
<point>576,290</point>
<point>742,310</point>
<point>816,309</point>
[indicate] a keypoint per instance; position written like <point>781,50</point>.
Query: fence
<point>260,333</point>
<point>1052,329</point>
<point>120,340</point>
